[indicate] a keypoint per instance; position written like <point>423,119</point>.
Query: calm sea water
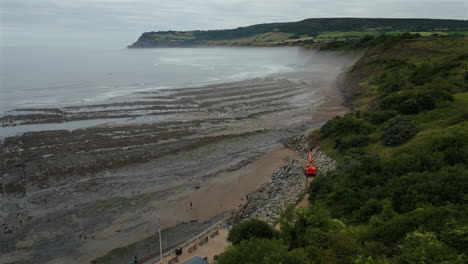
<point>57,77</point>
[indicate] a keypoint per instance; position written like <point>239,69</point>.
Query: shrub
<point>428,99</point>
<point>370,208</point>
<point>391,82</point>
<point>409,107</point>
<point>410,102</point>
<point>322,184</point>
<point>393,101</point>
<point>344,247</point>
<point>440,151</point>
<point>379,117</point>
<point>398,130</point>
<point>455,234</point>
<point>251,229</point>
<point>261,251</point>
<point>453,147</point>
<point>423,74</point>
<point>448,185</point>
<point>344,201</point>
<point>391,231</point>
<point>370,260</point>
<point>348,124</point>
<point>413,159</point>
<point>350,142</point>
<point>423,248</point>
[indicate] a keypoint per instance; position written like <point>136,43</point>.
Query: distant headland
<point>302,32</point>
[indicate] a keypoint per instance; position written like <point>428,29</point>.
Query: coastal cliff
<point>303,32</point>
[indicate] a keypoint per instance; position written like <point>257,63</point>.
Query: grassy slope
<point>417,52</point>
<point>405,203</point>
<point>446,121</point>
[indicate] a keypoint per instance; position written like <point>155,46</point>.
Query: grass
<point>354,35</point>
<point>464,33</point>
<point>359,34</point>
<point>450,113</point>
<point>176,36</point>
<point>422,33</point>
<point>345,34</point>
<point>259,39</point>
<point>447,117</point>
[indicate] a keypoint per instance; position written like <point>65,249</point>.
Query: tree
<point>423,248</point>
<point>251,229</point>
<point>261,251</point>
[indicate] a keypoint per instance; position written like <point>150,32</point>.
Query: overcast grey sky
<point>117,23</point>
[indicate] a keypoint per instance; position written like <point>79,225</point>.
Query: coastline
<point>128,185</point>
<point>288,168</point>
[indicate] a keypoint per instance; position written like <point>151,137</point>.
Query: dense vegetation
<point>399,193</point>
<point>293,33</point>
<point>251,229</point>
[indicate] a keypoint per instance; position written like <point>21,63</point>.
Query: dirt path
<point>304,203</point>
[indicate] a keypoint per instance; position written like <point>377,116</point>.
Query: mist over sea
<point>37,78</point>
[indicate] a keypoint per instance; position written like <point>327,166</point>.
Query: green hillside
<point>296,33</point>
<point>400,191</point>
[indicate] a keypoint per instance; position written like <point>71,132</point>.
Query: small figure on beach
<point>191,205</point>
<point>146,229</point>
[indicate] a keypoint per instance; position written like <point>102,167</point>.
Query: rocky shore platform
<point>102,173</point>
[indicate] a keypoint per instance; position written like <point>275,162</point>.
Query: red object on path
<point>310,169</point>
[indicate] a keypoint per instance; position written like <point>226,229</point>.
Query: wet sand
<point>103,185</point>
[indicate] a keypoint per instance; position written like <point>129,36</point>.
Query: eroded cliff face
<point>348,82</point>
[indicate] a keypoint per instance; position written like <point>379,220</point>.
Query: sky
<point>117,23</point>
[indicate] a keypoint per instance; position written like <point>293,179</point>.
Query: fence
<point>171,251</point>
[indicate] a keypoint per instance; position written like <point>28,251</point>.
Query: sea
<point>56,77</point>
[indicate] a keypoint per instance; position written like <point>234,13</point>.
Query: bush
<point>392,231</point>
<point>410,102</point>
<point>251,229</point>
<point>423,248</point>
<point>448,185</point>
<point>398,130</point>
<point>455,234</point>
<point>393,101</point>
<point>423,74</point>
<point>392,81</point>
<point>350,142</point>
<point>453,147</point>
<point>409,107</point>
<point>343,246</point>
<point>379,117</point>
<point>440,151</point>
<point>370,208</point>
<point>322,184</point>
<point>261,251</point>
<point>346,125</point>
<point>370,260</point>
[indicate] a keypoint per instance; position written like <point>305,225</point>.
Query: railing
<point>171,251</point>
